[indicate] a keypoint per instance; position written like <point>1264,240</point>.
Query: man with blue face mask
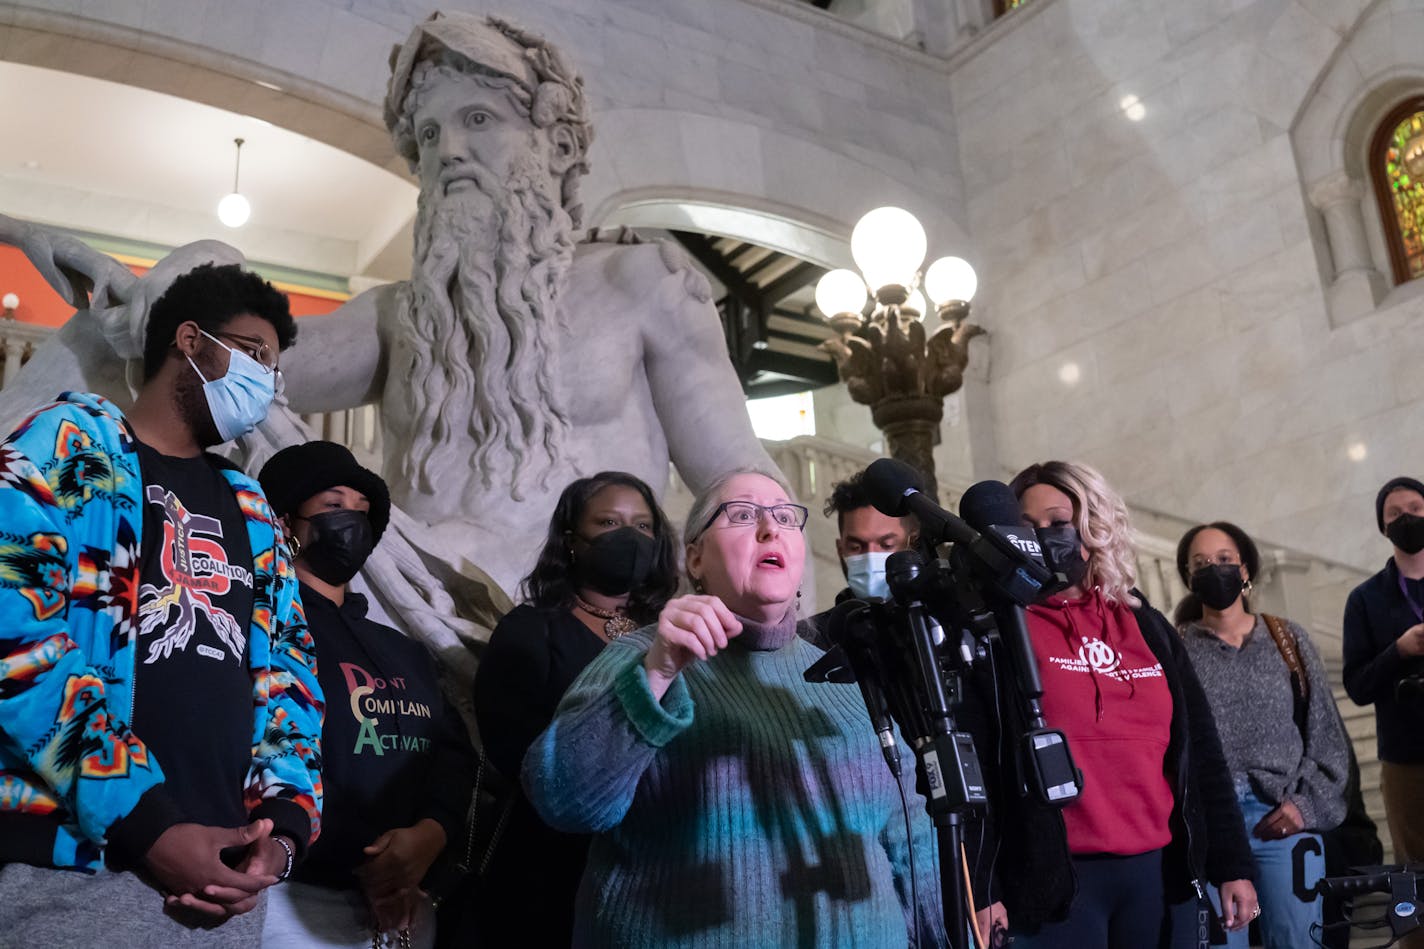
<point>866,539</point>
<point>159,710</point>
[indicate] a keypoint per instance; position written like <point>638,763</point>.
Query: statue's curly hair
<point>556,102</point>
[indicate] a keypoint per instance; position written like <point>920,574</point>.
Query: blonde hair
<point>1100,515</point>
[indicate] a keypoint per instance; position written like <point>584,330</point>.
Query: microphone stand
<point>946,810</point>
<point>945,759</point>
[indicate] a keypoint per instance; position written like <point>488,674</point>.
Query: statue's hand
<point>84,277</point>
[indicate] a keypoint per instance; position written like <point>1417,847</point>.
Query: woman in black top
<point>607,567</point>
<point>397,766</point>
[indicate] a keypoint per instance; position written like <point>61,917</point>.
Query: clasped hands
<point>186,861</point>
<point>390,880</point>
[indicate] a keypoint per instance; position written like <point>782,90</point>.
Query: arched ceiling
<point>105,158</point>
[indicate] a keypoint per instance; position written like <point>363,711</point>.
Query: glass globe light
<point>917,303</point>
<point>10,301</point>
<point>888,245</point>
<point>951,279</point>
<point>840,291</point>
<point>234,210</point>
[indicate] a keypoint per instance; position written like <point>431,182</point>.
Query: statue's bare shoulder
<point>652,278</point>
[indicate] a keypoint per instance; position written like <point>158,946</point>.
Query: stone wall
<point>1155,287</point>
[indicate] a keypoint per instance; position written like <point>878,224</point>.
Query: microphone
<point>1006,553</point>
<point>851,627</point>
<point>894,490</point>
<point>991,506</point>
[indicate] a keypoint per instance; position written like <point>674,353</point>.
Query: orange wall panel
<point>40,304</point>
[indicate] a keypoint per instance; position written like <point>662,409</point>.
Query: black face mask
<point>616,561</point>
<point>339,543</point>
<point>1406,532</point>
<point>1063,552</point>
<point>1217,585</point>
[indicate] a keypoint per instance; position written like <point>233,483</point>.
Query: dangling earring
<point>289,535</point>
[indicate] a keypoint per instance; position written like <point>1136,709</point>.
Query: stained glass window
<point>1398,159</point>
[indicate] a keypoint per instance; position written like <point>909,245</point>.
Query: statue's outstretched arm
<point>83,276</point>
<point>339,361</point>
<point>695,389</point>
<point>99,348</point>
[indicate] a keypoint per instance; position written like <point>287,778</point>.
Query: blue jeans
<point>1285,921</point>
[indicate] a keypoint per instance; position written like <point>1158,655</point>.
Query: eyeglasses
<point>256,348</point>
<point>748,514</point>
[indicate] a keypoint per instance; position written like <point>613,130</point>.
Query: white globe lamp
<point>840,291</point>
<point>917,303</point>
<point>888,245</point>
<point>951,280</point>
<point>234,210</point>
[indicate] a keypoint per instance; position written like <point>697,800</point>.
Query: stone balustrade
<point>17,341</point>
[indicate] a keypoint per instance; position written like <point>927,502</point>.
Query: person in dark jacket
<point>1384,660</point>
<point>607,568</point>
<point>865,539</point>
<point>1125,864</point>
<point>398,765</point>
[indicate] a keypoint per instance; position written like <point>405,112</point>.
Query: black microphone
<point>1021,579</point>
<point>1005,551</point>
<point>991,506</point>
<point>894,490</point>
<point>851,628</point>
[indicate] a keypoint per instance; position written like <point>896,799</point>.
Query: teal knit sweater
<point>748,808</point>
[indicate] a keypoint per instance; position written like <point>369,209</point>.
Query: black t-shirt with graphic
<point>193,688</point>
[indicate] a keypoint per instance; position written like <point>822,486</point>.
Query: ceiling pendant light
<point>234,210</point>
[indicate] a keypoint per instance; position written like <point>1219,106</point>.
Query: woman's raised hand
<point>690,628</point>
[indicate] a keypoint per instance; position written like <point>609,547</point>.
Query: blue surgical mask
<point>865,574</point>
<point>240,399</point>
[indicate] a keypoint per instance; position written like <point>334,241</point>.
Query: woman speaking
<point>732,802</point>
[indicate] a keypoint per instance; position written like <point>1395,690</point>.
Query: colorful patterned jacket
<point>71,529</point>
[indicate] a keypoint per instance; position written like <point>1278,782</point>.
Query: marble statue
<point>515,359</point>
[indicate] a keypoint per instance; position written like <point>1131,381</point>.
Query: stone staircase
<point>1360,725</point>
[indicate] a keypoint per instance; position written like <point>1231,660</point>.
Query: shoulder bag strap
<point>1290,652</point>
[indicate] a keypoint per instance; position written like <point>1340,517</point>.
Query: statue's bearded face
<point>462,123</point>
<point>493,244</point>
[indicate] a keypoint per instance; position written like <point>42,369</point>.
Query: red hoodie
<point>1105,689</point>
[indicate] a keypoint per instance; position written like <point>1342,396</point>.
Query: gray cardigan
<point>1251,697</point>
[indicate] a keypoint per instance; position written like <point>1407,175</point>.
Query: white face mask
<point>865,574</point>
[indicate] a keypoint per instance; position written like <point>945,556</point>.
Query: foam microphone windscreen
<point>886,481</point>
<point>988,504</point>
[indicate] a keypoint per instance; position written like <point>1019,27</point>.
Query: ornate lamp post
<point>888,360</point>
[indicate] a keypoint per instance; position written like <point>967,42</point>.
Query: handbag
<point>1355,841</point>
<point>491,803</point>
